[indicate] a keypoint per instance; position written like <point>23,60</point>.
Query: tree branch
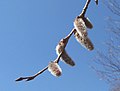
<point>84,9</point>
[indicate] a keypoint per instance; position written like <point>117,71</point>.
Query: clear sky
<point>29,33</point>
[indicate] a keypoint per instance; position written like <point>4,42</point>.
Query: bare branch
<point>31,77</point>
<point>38,73</point>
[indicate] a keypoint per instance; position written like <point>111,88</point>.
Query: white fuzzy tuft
<point>85,42</point>
<point>54,69</point>
<point>80,26</point>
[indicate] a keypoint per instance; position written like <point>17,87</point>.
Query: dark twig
<point>69,35</point>
<point>96,1</point>
<point>38,73</point>
<point>58,58</point>
<point>84,9</point>
<point>31,77</point>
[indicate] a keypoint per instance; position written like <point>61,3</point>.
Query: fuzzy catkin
<point>85,42</point>
<point>80,26</point>
<point>54,69</point>
<point>64,57</point>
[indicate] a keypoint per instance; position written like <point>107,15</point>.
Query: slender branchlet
<point>38,73</point>
<point>58,58</point>
<point>69,35</point>
<point>84,9</point>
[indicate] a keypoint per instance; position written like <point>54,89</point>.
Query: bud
<point>64,57</point>
<point>80,26</point>
<point>87,23</point>
<point>54,69</point>
<point>61,46</point>
<point>84,41</point>
<point>96,1</point>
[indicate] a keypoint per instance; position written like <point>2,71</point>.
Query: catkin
<point>54,69</point>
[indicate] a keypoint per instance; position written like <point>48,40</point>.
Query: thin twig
<point>31,77</point>
<point>41,71</point>
<point>38,73</point>
<point>84,9</point>
<point>69,35</point>
<point>58,58</point>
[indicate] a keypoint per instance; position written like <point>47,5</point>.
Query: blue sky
<point>29,33</point>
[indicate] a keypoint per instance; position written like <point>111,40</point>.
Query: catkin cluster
<point>81,25</point>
